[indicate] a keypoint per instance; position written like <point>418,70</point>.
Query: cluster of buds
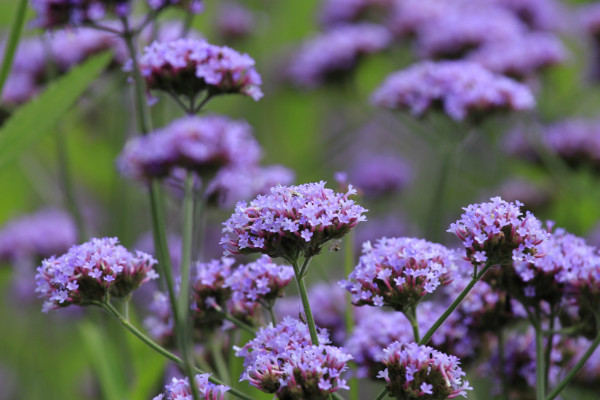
<point>179,389</point>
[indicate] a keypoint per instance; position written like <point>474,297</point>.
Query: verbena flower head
<point>234,21</point>
<point>179,389</point>
<point>331,56</point>
<point>160,322</point>
<point>378,175</point>
<point>522,57</point>
<point>497,232</point>
<point>453,34</point>
<point>36,236</point>
<point>461,88</point>
<point>406,17</point>
<point>261,281</point>
<point>209,293</point>
<point>283,360</point>
<point>55,13</point>
<point>339,12</point>
<point>189,66</point>
<point>192,6</point>
<point>577,141</point>
<point>291,221</point>
<point>398,272</point>
<point>414,371</point>
<point>532,194</point>
<point>91,272</point>
<point>538,15</point>
<point>199,144</point>
<point>231,185</point>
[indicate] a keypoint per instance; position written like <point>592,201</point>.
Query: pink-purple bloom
<point>179,389</point>
<point>339,12</point>
<point>333,54</point>
<point>398,272</point>
<point>188,67</point>
<point>291,221</point>
<point>192,6</point>
<point>91,272</point>
<point>199,144</point>
<point>497,232</point>
<point>381,174</point>
<point>413,371</point>
<point>234,21</point>
<point>55,13</point>
<point>461,88</point>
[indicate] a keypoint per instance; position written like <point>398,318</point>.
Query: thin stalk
<point>502,355</point>
<point>187,227</point>
<point>349,316</point>
<point>14,36</point>
<point>187,25</point>
<point>304,296</point>
<point>548,350</point>
<point>113,312</point>
<point>539,358</point>
<point>436,211</point>
<point>272,314</point>
<point>238,323</point>
<point>382,394</point>
<point>573,371</point>
<point>67,184</point>
<point>217,356</point>
<point>453,306</point>
<point>412,317</point>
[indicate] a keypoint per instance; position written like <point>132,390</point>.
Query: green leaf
<point>39,116</point>
<point>13,40</point>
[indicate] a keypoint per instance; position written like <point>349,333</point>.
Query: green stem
<point>67,183</point>
<point>502,355</point>
<point>272,314</point>
<point>13,40</point>
<point>240,324</point>
<point>217,355</point>
<point>539,358</point>
<point>349,315</point>
<point>113,312</point>
<point>411,314</point>
<point>453,306</point>
<point>382,394</point>
<point>549,343</point>
<point>187,227</point>
<point>304,297</point>
<point>436,212</point>
<point>573,371</point>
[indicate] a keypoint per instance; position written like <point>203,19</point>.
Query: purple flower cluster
<point>91,272</point>
<point>398,272</point>
<point>291,221</point>
<point>160,323</point>
<point>231,185</point>
<point>209,293</point>
<point>521,57</point>
<point>336,12</point>
<point>192,6</point>
<point>179,389</point>
<point>381,174</point>
<point>55,13</point>
<point>62,48</point>
<point>538,15</point>
<point>334,54</point>
<point>462,88</point>
<point>575,140</point>
<point>408,16</point>
<point>234,21</point>
<point>261,281</point>
<point>36,236</point>
<point>189,66</point>
<point>283,360</point>
<point>497,232</point>
<point>532,194</point>
<point>413,371</point>
<point>199,144</point>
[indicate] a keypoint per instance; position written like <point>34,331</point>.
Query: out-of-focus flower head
<point>413,371</point>
<point>538,15</point>
<point>36,236</point>
<point>341,12</point>
<point>92,271</point>
<point>56,13</point>
<point>192,6</point>
<point>160,323</point>
<point>399,272</point>
<point>522,57</point>
<point>291,221</point>
<point>462,89</point>
<point>406,17</point>
<point>497,232</point>
<point>210,295</point>
<point>532,194</point>
<point>234,21</point>
<point>188,67</point>
<point>179,389</point>
<point>334,54</point>
<point>231,185</point>
<point>199,144</point>
<point>381,174</point>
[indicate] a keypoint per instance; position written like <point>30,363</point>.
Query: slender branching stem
<point>304,297</point>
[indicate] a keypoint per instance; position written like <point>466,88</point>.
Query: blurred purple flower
<point>192,6</point>
<point>179,389</point>
<point>380,174</point>
<point>462,88</point>
<point>335,53</point>
<point>532,194</point>
<point>56,13</point>
<point>92,271</point>
<point>234,21</point>
<point>200,144</point>
<point>291,221</point>
<point>340,12</point>
<point>538,15</point>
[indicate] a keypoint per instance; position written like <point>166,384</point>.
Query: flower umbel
<point>91,272</point>
<point>179,389</point>
<point>291,221</point>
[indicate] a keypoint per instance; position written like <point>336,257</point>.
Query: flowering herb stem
<point>573,371</point>
<point>113,312</point>
<point>549,344</point>
<point>13,40</point>
<point>382,395</point>
<point>217,356</point>
<point>539,357</point>
<point>411,314</point>
<point>304,297</point>
<point>238,323</point>
<point>349,316</point>
<point>454,304</point>
<point>502,356</point>
<point>436,212</point>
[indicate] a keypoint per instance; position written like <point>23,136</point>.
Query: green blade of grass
<point>34,119</point>
<point>13,39</point>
